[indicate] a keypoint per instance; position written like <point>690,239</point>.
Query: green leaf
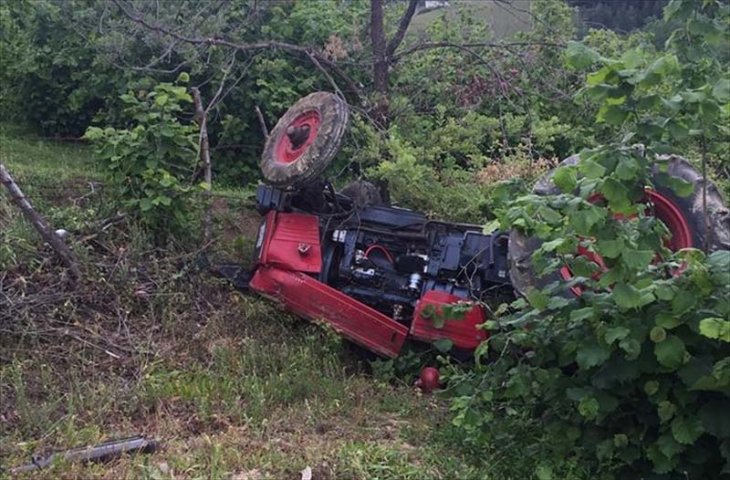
<point>657,334</point>
<point>565,178</point>
<point>164,200</point>
<point>721,90</point>
<point>664,292</point>
<point>592,354</point>
<point>584,220</point>
<point>715,328</point>
<point>544,472</point>
<point>666,411</point>
<point>490,227</point>
<point>537,299</point>
<point>591,169</point>
<point>612,114</point>
<point>161,99</point>
<point>683,301</point>
<point>686,430</point>
<point>631,346</point>
<point>145,204</point>
<point>637,259</point>
<point>588,407</point>
<point>616,333</point>
<point>662,463</point>
<point>579,56</point>
<point>443,345</point>
<point>681,187</point>
<point>626,296</point>
<point>581,314</point>
<point>668,446</point>
<point>620,440</point>
<point>651,387</point>
<point>670,352</point>
<point>627,168</point>
<point>715,419</point>
<point>610,248</point>
<point>667,321</point>
<point>616,194</point>
<point>678,130</point>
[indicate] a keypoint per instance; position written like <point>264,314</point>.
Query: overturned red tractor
<point>379,274</point>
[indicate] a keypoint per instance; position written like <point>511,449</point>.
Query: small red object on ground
<point>428,381</point>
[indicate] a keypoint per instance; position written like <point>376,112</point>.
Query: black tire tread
<point>334,115</point>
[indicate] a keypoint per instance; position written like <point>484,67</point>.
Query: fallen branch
<point>45,231</point>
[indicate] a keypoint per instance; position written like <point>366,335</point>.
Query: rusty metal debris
<point>97,453</point>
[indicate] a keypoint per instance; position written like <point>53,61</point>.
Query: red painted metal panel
<point>316,301</point>
<point>463,332</point>
<point>291,241</point>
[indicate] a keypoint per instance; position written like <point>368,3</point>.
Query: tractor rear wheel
<point>700,220</point>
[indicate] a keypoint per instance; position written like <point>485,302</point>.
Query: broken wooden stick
<point>40,224</point>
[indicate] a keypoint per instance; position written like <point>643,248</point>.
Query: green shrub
<point>631,379</point>
<point>150,164</point>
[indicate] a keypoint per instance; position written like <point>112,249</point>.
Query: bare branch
<point>460,46</point>
<point>405,21</point>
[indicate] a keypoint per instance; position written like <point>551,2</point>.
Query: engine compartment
<point>388,258</point>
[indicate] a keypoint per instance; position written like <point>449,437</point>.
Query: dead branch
<point>45,231</point>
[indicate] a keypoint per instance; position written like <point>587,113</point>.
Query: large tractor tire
<point>700,220</point>
<point>362,193</point>
<point>305,140</point>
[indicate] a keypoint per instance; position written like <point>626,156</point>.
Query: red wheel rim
<point>296,138</point>
<point>660,207</point>
<point>667,211</point>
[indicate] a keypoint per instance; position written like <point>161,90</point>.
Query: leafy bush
<point>150,164</point>
<point>631,379</point>
<point>52,78</point>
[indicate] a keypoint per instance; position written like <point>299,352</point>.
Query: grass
<point>503,20</point>
<point>234,387</point>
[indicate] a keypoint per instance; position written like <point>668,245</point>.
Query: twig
<point>495,45</point>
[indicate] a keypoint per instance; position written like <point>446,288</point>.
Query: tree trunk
<point>380,60</point>
<point>65,253</point>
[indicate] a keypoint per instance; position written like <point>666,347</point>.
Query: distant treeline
<point>618,15</point>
